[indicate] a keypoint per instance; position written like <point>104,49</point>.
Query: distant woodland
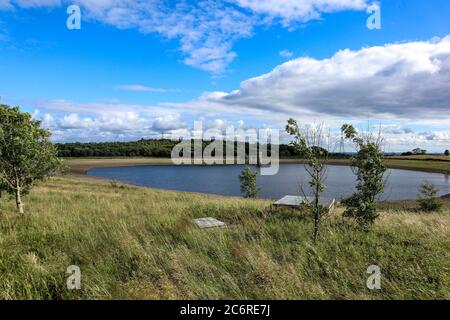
<point>161,148</point>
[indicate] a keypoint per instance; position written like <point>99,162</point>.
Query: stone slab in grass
<point>206,223</point>
<point>295,202</point>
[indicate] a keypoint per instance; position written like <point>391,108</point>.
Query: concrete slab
<point>296,201</point>
<point>206,223</point>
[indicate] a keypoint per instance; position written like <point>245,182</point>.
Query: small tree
<point>26,154</point>
<point>309,144</point>
<point>447,153</point>
<point>428,199</point>
<point>369,168</point>
<point>248,183</point>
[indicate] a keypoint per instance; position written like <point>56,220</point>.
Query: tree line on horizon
<point>158,148</point>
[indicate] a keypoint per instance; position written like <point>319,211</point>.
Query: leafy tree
<point>447,153</point>
<point>26,154</point>
<point>308,143</point>
<point>248,183</point>
<point>428,199</point>
<point>369,168</point>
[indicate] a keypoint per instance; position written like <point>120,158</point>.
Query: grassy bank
<point>433,163</point>
<point>81,165</point>
<point>140,243</point>
<point>424,157</point>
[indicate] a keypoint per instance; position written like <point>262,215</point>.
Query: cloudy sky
<point>140,68</point>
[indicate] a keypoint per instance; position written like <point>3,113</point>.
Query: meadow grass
<point>136,243</point>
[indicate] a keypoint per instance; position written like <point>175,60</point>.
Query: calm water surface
<point>224,180</point>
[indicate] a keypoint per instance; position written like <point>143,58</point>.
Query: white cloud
<point>168,123</point>
<point>433,141</point>
<point>206,29</point>
<point>36,3</point>
<point>112,121</point>
<point>286,54</point>
<point>139,88</point>
<point>99,108</point>
<point>73,121</point>
<point>142,88</point>
<point>105,127</point>
<point>48,120</point>
<point>108,119</point>
<point>409,81</point>
<point>300,10</point>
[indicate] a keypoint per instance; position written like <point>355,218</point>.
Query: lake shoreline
<point>79,169</point>
<point>83,165</point>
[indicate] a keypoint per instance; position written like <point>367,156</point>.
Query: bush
<point>248,183</point>
<point>428,199</point>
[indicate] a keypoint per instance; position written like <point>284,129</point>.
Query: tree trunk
<point>19,199</point>
<point>316,208</point>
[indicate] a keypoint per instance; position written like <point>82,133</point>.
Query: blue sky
<point>139,68</point>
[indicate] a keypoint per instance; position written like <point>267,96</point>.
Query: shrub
<point>428,199</point>
<point>248,183</point>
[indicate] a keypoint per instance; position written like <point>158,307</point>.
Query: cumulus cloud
<point>73,121</point>
<point>168,123</point>
<point>100,108</point>
<point>433,141</point>
<point>116,121</point>
<point>106,120</point>
<point>408,81</point>
<point>206,29</point>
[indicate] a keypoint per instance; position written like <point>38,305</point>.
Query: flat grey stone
<point>205,223</point>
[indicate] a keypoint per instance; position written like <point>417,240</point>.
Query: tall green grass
<point>135,243</point>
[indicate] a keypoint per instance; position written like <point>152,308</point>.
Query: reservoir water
<point>224,180</point>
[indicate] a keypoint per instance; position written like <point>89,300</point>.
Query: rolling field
<point>136,243</point>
